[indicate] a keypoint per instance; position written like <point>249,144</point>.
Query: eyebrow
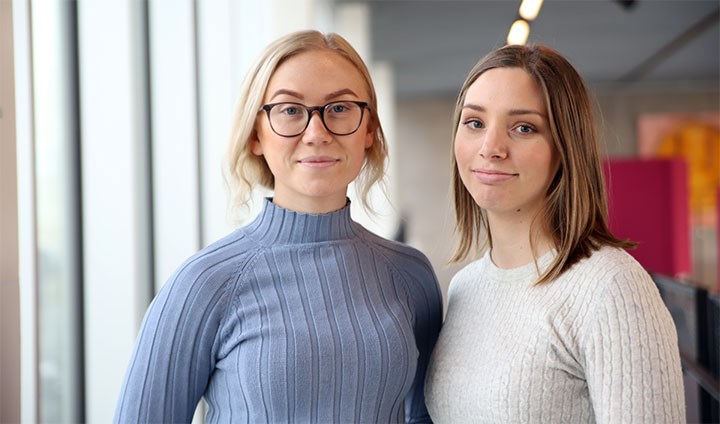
<point>512,112</point>
<point>297,95</point>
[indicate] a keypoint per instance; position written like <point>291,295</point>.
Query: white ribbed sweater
<point>595,345</point>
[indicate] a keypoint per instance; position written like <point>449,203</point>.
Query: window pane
<point>59,300</point>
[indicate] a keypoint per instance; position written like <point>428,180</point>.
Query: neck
<point>511,246</point>
<point>316,206</point>
<point>276,226</point>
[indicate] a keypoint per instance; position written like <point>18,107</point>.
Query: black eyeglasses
<point>290,119</point>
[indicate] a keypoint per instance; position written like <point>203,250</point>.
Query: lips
<point>318,161</point>
<point>490,176</point>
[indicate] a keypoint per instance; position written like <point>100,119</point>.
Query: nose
<point>494,143</point>
<point>316,133</point>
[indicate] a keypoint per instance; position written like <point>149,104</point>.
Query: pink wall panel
<point>648,203</point>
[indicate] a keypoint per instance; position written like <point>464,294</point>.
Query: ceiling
<point>432,44</point>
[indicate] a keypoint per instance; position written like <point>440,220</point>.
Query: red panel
<point>648,203</point>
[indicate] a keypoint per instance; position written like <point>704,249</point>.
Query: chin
<point>490,203</point>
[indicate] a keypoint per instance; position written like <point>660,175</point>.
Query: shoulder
<point>605,286</point>
<point>212,269</point>
<point>610,267</point>
<point>409,264</point>
<point>622,309</point>
<point>401,256</point>
<point>615,284</point>
<point>196,297</point>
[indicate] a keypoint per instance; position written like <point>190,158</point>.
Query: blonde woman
<point>555,323</point>
<point>302,315</point>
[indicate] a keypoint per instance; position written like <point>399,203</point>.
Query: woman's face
<point>312,170</point>
<point>503,146</point>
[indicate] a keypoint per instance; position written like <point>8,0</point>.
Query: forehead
<point>506,87</point>
<point>316,73</point>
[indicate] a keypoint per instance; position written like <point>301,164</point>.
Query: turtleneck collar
<point>277,226</point>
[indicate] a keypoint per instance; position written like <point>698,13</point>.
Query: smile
<point>318,161</point>
<point>487,176</point>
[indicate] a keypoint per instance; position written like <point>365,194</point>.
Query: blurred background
<point>115,115</point>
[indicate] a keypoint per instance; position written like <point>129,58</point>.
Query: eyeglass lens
<point>291,119</point>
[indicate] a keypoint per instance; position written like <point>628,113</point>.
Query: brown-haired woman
<point>556,322</point>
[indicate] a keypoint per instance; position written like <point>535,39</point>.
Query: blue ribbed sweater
<point>293,318</point>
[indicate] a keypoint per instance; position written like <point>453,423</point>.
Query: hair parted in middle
<point>575,210</point>
<point>245,170</point>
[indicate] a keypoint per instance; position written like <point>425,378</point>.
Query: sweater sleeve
<point>426,300</point>
<point>174,353</point>
<point>632,361</point>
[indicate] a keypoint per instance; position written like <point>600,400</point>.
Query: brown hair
<point>244,169</point>
<point>576,205</point>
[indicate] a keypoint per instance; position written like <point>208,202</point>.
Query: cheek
<point>359,152</point>
<point>553,164</point>
<point>463,151</point>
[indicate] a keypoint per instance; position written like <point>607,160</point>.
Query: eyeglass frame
<point>321,110</point>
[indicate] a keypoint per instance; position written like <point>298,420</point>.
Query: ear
<point>255,144</point>
<point>370,137</point>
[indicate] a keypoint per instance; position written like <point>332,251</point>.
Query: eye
<point>525,129</point>
<point>473,124</point>
<point>340,108</point>
<point>289,109</point>
<point>337,108</point>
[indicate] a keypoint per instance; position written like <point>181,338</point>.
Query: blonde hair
<point>575,212</point>
<point>245,169</point>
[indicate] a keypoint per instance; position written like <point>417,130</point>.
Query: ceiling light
<point>529,9</point>
<point>519,32</point>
